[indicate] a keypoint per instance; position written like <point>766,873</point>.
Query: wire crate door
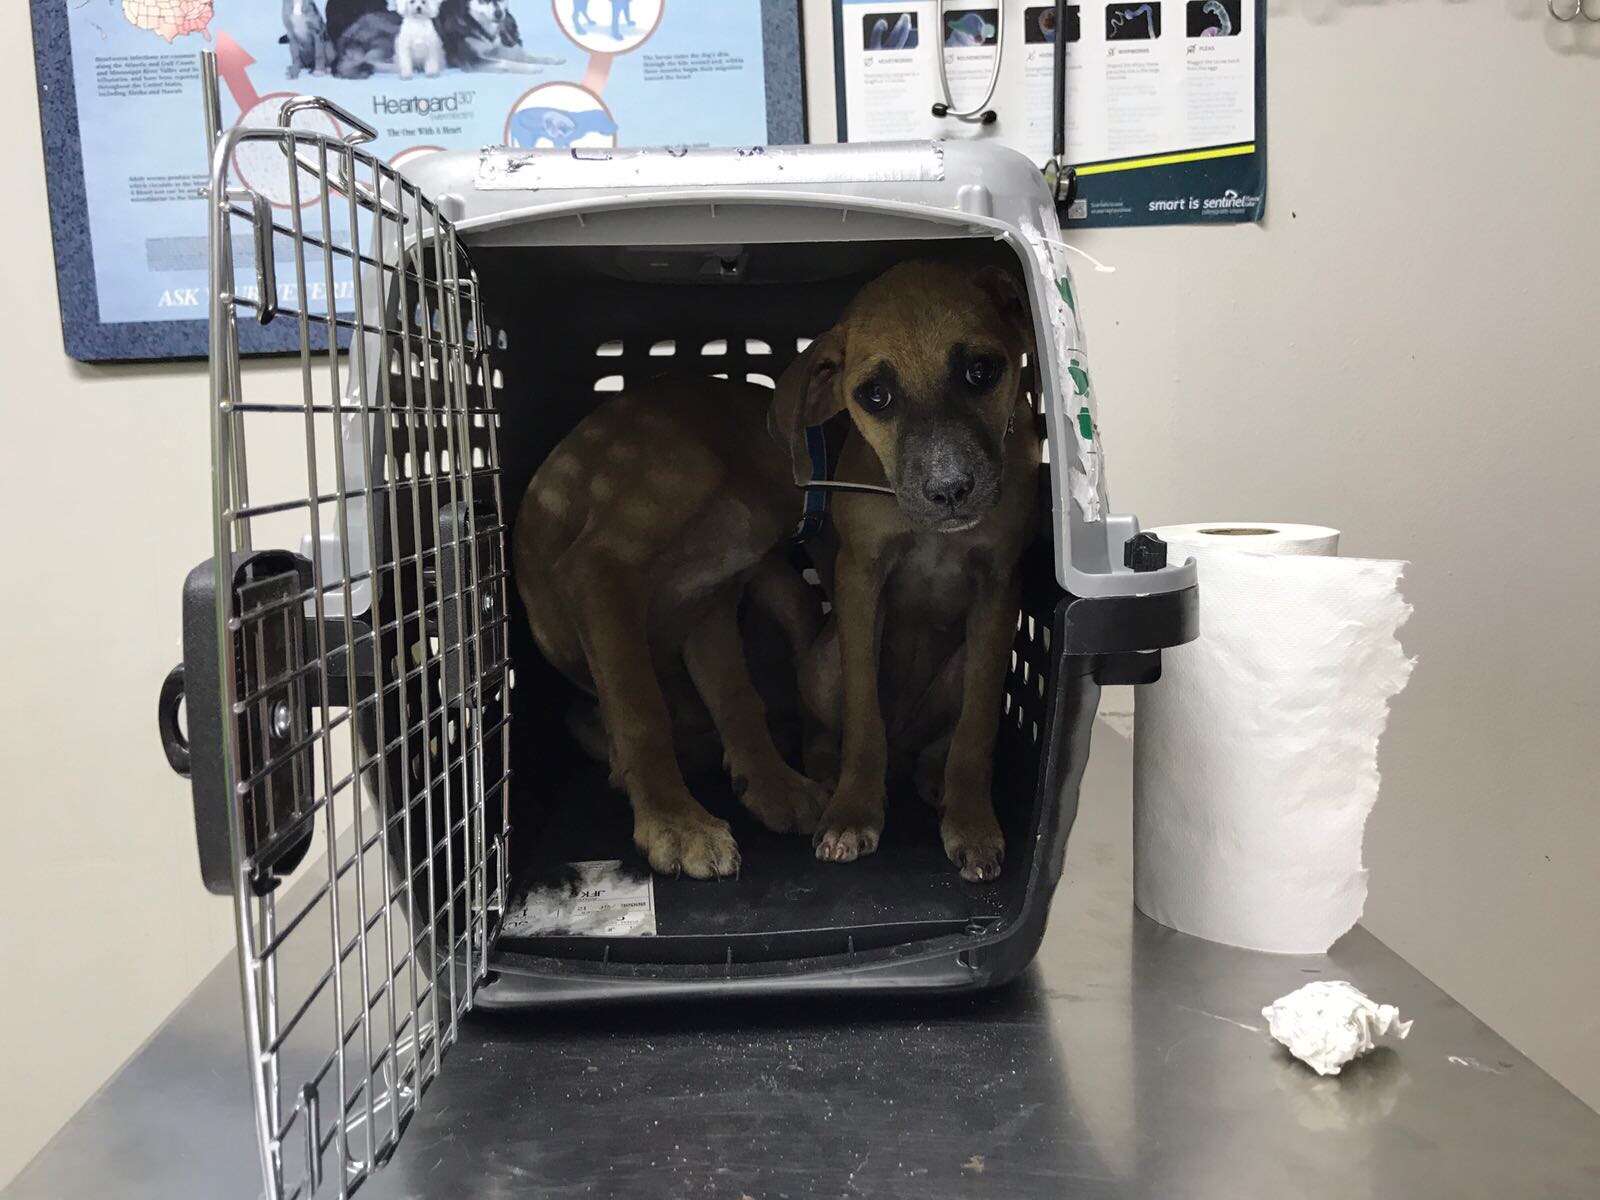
<point>361,602</point>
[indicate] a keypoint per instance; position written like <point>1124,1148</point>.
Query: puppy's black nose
<point>948,489</point>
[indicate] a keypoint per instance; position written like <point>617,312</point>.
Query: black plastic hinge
<point>276,682</point>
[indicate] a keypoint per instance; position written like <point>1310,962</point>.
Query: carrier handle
<point>175,745</point>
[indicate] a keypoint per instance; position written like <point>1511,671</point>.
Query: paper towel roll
<point>1257,537</point>
<point>1255,756</point>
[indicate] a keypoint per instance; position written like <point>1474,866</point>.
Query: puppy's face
<point>489,14</point>
<point>928,363</point>
<point>428,9</point>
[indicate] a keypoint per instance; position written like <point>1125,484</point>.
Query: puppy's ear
<point>811,390</point>
<point>1009,295</point>
<point>808,393</point>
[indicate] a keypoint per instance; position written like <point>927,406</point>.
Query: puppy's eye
<point>982,373</point>
<point>874,395</point>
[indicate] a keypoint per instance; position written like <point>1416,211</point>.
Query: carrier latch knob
<point>1144,552</point>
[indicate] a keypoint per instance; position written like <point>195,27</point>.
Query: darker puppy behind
<point>634,546</point>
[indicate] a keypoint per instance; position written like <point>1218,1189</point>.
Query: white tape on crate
<point>505,170</point>
<point>1086,483</point>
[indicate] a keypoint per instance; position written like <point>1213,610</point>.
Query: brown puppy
<point>909,674</point>
<point>633,546</point>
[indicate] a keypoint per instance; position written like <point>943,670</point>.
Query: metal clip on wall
<point>1062,179</point>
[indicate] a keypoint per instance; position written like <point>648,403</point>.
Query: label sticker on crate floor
<point>596,899</point>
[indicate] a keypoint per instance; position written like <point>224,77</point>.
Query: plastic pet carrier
<point>353,652</point>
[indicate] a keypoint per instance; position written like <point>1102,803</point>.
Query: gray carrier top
<point>798,194</point>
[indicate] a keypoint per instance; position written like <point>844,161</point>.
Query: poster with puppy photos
<point>120,96</point>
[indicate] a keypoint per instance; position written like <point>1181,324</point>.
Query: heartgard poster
<point>428,74</point>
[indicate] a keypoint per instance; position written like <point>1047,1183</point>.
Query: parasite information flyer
<point>120,93</point>
<point>1165,99</point>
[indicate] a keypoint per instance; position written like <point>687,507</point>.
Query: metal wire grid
<point>353,986</point>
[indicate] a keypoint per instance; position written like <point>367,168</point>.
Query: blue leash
<point>821,483</point>
<point>816,509</point>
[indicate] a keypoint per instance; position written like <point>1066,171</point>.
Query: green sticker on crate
<point>1086,424</point>
<point>1080,378</point>
<point>1064,286</point>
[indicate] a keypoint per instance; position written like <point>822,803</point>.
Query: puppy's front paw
<point>849,829</point>
<point>699,845</point>
<point>973,840</point>
<point>782,799</point>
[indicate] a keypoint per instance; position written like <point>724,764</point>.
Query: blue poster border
<point>88,339</point>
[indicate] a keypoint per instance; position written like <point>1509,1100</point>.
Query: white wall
<point>1408,349</point>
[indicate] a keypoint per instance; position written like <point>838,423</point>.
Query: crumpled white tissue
<point>1327,1023</point>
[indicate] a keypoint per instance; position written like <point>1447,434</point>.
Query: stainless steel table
<point>1129,1062</point>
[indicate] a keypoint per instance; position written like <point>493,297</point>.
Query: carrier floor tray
<point>907,890</point>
